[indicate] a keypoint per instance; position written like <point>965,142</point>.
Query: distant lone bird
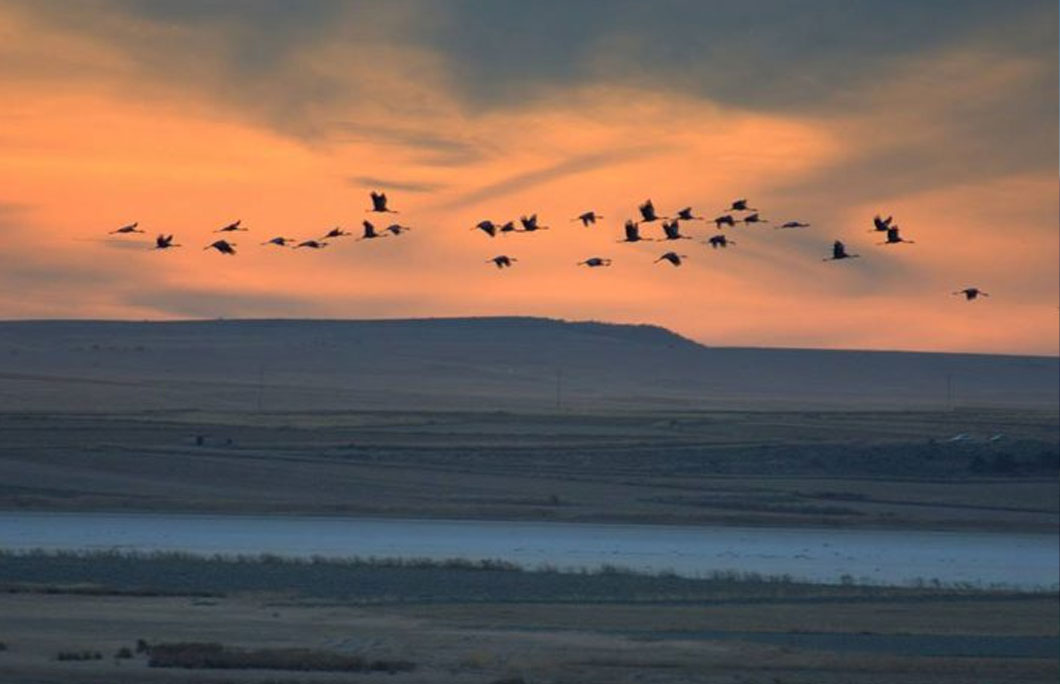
<point>633,232</point>
<point>502,261</point>
<point>716,241</point>
<point>726,220</point>
<point>588,218</point>
<point>311,244</point>
<point>647,212</point>
<point>507,227</point>
<point>231,227</point>
<point>379,203</point>
<point>793,224</point>
<point>686,215</point>
<point>530,223</point>
<point>595,262</point>
<point>369,232</point>
<point>672,230</point>
<point>971,293</point>
<point>839,251</point>
<point>278,241</point>
<point>222,246</point>
<point>486,227</point>
<point>881,224</point>
<point>673,257</point>
<point>754,218</point>
<point>335,232</point>
<point>893,238</point>
<point>131,228</point>
<point>164,242</point>
<point>398,229</point>
<point>740,205</point>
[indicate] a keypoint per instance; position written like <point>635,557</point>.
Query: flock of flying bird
<point>671,228</point>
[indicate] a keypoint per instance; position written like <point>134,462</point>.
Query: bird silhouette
<point>379,203</point>
<point>311,244</point>
<point>793,224</point>
<point>633,233</point>
<point>716,241</point>
<point>231,227</point>
<point>726,220</point>
<point>672,230</point>
<point>647,212</point>
<point>839,251</point>
<point>880,225</point>
<point>588,218</point>
<point>335,232</point>
<point>595,262</point>
<point>370,232</point>
<point>971,293</point>
<point>530,223</point>
<point>502,261</point>
<point>222,246</point>
<point>740,205</point>
<point>278,241</point>
<point>165,242</point>
<point>754,218</point>
<point>673,257</point>
<point>131,228</point>
<point>893,238</point>
<point>398,229</point>
<point>686,215</point>
<point>507,227</point>
<point>487,227</point>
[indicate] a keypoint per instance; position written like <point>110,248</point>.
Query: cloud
<point>373,182</point>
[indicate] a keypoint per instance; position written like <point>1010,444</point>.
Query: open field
<point>825,641</point>
<point>889,469</point>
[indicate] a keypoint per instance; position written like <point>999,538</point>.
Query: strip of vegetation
<point>374,581</point>
<point>196,655</point>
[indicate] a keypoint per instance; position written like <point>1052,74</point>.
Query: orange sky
<point>97,130</point>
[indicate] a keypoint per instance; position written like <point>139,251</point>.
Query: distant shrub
<point>142,646</point>
<point>123,653</point>
<point>79,655</point>
<point>198,655</point>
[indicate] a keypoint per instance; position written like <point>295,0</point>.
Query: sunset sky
<point>187,115</point>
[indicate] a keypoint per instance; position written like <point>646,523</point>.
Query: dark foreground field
<point>553,627</point>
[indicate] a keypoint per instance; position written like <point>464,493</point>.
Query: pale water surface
<point>815,554</point>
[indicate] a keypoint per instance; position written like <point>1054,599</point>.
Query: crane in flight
<point>672,230</point>
<point>880,225</point>
<point>588,218</point>
<point>673,257</point>
<point>633,233</point>
<point>279,241</point>
<point>971,293</point>
<point>530,223</point>
<point>370,232</point>
<point>335,232</point>
<point>165,242</point>
<point>502,261</point>
<point>839,251</point>
<point>647,212</point>
<point>893,238</point>
<point>487,227</point>
<point>793,224</point>
<point>686,215</point>
<point>726,220</point>
<point>754,218</point>
<point>716,241</point>
<point>595,262</point>
<point>131,228</point>
<point>379,203</point>
<point>222,246</point>
<point>740,205</point>
<point>311,244</point>
<point>231,227</point>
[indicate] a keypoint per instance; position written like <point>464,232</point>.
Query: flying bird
<point>673,257</point>
<point>594,262</point>
<point>793,224</point>
<point>740,205</point>
<point>487,227</point>
<point>839,251</point>
<point>686,215</point>
<point>311,244</point>
<point>530,223</point>
<point>893,238</point>
<point>335,232</point>
<point>726,220</point>
<point>502,261</point>
<point>647,212</point>
<point>881,224</point>
<point>379,203</point>
<point>716,241</point>
<point>398,229</point>
<point>231,227</point>
<point>369,231</point>
<point>971,293</point>
<point>672,229</point>
<point>588,218</point>
<point>278,241</point>
<point>164,242</point>
<point>754,218</point>
<point>633,232</point>
<point>131,228</point>
<point>222,246</point>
